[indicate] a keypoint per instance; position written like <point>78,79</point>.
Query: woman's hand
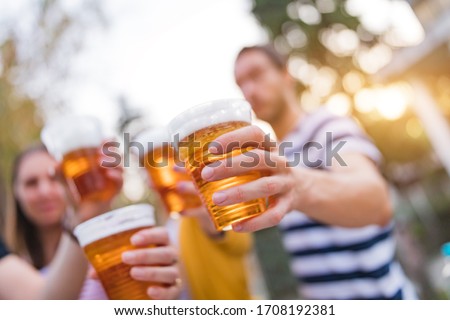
<point>89,209</point>
<point>158,264</point>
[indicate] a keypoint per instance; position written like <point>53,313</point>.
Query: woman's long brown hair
<point>21,233</point>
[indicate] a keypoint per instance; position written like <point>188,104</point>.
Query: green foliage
<point>297,39</point>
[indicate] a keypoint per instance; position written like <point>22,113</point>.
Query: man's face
<point>262,83</point>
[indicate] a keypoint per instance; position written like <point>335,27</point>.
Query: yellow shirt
<point>215,268</point>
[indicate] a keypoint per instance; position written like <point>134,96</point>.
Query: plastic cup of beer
<point>76,142</point>
<point>192,132</point>
<point>158,160</point>
<point>104,239</point>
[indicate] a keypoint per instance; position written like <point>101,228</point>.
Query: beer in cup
<point>193,131</point>
<point>158,160</point>
<point>104,239</point>
<point>76,142</point>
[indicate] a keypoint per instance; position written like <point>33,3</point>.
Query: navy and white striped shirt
<point>334,262</point>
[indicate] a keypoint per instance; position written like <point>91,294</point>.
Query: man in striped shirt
<point>326,192</point>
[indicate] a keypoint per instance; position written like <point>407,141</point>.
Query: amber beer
<point>195,129</point>
<point>158,160</point>
<point>75,141</point>
<point>104,239</point>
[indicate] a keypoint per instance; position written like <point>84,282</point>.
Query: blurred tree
<point>333,53</point>
<point>19,124</point>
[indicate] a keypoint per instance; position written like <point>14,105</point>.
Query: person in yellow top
<point>213,262</point>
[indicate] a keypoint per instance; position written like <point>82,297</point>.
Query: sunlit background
<point>136,64</point>
<point>160,56</point>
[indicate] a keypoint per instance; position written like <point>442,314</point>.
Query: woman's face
<point>40,195</point>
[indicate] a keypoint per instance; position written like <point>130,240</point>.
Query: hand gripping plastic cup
<point>192,132</point>
<point>104,239</point>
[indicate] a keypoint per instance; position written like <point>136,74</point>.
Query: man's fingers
<point>271,217</point>
<point>246,137</point>
<point>252,160</point>
<point>260,188</point>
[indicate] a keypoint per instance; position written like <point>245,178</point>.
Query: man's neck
<point>287,121</point>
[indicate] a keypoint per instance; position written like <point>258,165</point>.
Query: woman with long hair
<point>34,230</point>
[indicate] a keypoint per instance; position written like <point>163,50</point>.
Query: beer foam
<point>115,222</point>
<point>153,138</point>
<point>69,133</point>
<point>208,114</point>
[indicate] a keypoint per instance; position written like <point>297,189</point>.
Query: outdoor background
<point>136,64</point>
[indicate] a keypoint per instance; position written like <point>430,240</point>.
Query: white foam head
<point>208,114</point>
<point>153,138</point>
<point>114,222</point>
<point>69,133</point>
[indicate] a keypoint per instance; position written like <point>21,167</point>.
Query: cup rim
<point>130,217</point>
<point>157,136</point>
<point>207,114</point>
<point>57,128</point>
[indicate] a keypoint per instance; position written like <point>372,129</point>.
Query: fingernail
<point>212,149</point>
<point>207,173</point>
<point>128,257</point>
<point>237,227</point>
<point>219,197</point>
<point>137,273</point>
<point>153,292</point>
<point>137,239</point>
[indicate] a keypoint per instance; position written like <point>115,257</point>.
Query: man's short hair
<point>274,56</point>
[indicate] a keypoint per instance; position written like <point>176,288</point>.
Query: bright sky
<point>163,56</point>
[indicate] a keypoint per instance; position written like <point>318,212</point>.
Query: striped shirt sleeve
<point>339,136</point>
